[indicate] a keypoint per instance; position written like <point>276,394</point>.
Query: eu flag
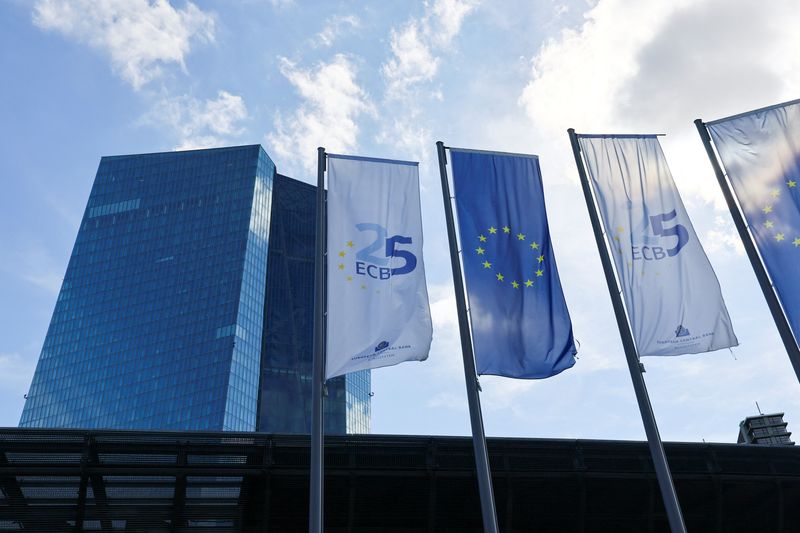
<point>761,154</point>
<point>520,323</point>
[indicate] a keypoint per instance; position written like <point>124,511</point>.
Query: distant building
<point>188,303</point>
<point>764,430</point>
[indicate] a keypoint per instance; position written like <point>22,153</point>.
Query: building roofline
<point>184,151</point>
<point>754,417</point>
<point>378,438</point>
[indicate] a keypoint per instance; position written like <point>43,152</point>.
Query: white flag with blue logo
<point>378,313</point>
<point>671,293</point>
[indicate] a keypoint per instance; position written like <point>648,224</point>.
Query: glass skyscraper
<point>176,310</point>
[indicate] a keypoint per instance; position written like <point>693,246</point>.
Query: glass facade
<point>285,403</point>
<point>160,318</point>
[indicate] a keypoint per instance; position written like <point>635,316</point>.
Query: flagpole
<point>470,374</point>
<point>785,331</point>
<point>316,484</point>
<point>663,475</point>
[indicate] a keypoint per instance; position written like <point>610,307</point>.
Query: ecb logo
<point>370,262</point>
<point>382,346</point>
<point>653,250</point>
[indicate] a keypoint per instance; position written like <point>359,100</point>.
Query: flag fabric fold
<point>520,323</point>
<point>377,301</point>
<point>760,151</point>
<point>672,296</point>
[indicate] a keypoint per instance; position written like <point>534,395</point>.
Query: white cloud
<point>723,237</point>
<point>669,63</point>
<point>446,346</point>
<point>201,123</point>
<point>447,18</point>
<point>415,44</point>
<point>332,102</point>
<point>412,60</point>
<point>281,4</point>
<point>560,9</point>
<point>576,78</point>
<point>410,71</point>
<point>336,27</point>
<point>409,137</point>
<point>140,36</point>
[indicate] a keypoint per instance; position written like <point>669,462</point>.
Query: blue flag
<point>520,323</point>
<point>761,154</point>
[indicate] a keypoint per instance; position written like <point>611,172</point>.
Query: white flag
<point>672,295</point>
<point>378,312</point>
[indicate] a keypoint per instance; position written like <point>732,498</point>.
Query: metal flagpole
<point>634,366</point>
<point>316,485</point>
<point>470,374</point>
<point>774,305</point>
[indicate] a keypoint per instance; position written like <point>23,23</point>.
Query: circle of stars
<point>769,223</point>
<point>340,256</point>
<point>519,237</point>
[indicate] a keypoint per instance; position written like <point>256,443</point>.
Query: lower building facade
<point>74,480</point>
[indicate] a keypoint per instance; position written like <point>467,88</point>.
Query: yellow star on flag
<point>791,184</point>
<point>767,210</point>
<point>515,284</point>
<point>796,242</point>
<point>528,283</point>
<point>479,250</point>
<point>620,229</point>
<point>768,224</point>
<point>500,277</point>
<point>350,244</point>
<point>534,245</point>
<point>520,236</point>
<point>487,264</point>
<point>779,237</point>
<point>482,238</point>
<point>506,229</point>
<point>493,230</point>
<point>363,287</point>
<point>540,272</point>
<point>342,254</point>
<point>541,258</point>
<point>349,278</point>
<point>775,193</point>
<point>341,266</point>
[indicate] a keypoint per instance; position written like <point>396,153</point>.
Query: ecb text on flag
<point>520,323</point>
<point>672,296</point>
<point>760,151</point>
<point>377,300</point>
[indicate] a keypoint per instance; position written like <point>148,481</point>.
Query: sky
<point>83,79</point>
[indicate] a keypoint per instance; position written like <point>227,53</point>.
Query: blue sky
<point>83,79</point>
